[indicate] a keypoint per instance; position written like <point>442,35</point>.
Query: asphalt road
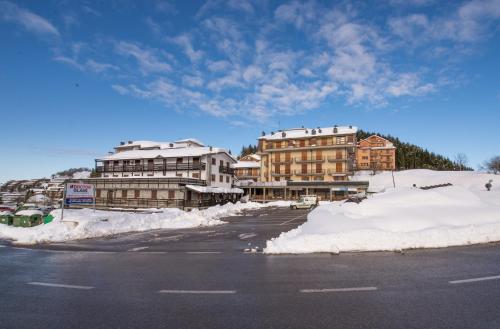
<point>203,279</point>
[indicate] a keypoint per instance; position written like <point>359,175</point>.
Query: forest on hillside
<point>411,156</point>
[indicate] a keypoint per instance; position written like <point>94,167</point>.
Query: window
<point>154,194</point>
<point>227,164</point>
<point>338,167</point>
<point>137,194</point>
<point>277,169</point>
<point>221,178</point>
<point>221,163</point>
<point>213,178</point>
<point>227,179</point>
<point>312,141</point>
<point>319,168</point>
<point>302,143</point>
<point>178,175</point>
<point>364,157</point>
<point>324,141</point>
<point>213,161</point>
<point>341,140</point>
<point>196,160</point>
<point>196,175</point>
<point>179,160</point>
<point>97,193</point>
<point>171,194</point>
<point>124,193</point>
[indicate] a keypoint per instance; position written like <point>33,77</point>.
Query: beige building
<point>376,153</point>
<point>308,154</point>
<point>302,161</point>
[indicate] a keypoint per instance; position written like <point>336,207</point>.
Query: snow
<point>247,164</point>
<point>85,223</point>
<point>29,212</point>
<point>37,198</point>
<point>403,217</point>
<point>217,190</point>
<point>307,132</point>
<point>81,175</point>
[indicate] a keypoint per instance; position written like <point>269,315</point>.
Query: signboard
<point>77,193</point>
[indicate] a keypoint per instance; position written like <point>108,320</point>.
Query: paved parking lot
<point>250,229</point>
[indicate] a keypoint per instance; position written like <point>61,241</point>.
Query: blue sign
<point>70,201</point>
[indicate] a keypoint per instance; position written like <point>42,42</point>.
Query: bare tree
<point>493,165</point>
<point>461,160</point>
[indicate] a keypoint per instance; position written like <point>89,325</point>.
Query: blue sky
<point>76,78</point>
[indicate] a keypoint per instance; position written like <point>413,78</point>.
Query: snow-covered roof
<point>310,132</point>
<point>29,212</point>
<point>160,145</point>
<point>247,164</point>
<point>253,157</point>
<point>207,189</point>
<point>165,153</point>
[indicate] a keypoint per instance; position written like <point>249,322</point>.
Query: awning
<point>218,190</point>
<point>344,189</point>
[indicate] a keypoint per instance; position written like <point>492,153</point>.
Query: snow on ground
<point>81,174</point>
<point>85,223</point>
<point>403,217</point>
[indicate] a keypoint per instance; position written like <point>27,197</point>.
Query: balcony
<point>337,159</point>
<point>280,174</point>
<point>245,177</point>
<point>315,160</point>
<point>309,173</point>
<point>226,170</point>
<point>152,167</point>
<point>285,161</point>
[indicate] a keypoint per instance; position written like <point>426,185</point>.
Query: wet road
<point>201,278</point>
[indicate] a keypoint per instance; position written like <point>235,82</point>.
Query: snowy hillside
<point>403,217</point>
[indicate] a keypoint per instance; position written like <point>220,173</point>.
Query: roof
<point>165,153</point>
<point>161,145</point>
<point>389,143</point>
<point>247,164</point>
<point>207,189</point>
<point>253,157</point>
<point>310,132</point>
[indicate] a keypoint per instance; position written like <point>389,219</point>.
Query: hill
<point>411,156</point>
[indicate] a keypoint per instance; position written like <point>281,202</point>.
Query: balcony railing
<point>152,167</point>
<point>280,174</point>
<point>310,173</point>
<point>310,160</point>
<point>248,176</point>
<point>284,161</point>
<point>226,170</point>
<point>337,159</point>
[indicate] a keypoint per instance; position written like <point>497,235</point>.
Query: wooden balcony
<point>226,170</point>
<point>281,174</point>
<point>309,160</point>
<point>310,173</point>
<point>152,167</point>
<point>337,159</point>
<point>284,161</point>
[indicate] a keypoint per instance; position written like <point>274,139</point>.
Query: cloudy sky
<point>76,78</point>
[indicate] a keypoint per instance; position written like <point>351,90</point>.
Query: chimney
<point>263,133</point>
<point>122,143</point>
<point>130,142</point>
<point>210,148</point>
<point>283,134</point>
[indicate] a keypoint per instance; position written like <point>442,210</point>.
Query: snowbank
<point>85,223</point>
<point>404,217</point>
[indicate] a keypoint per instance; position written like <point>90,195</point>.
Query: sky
<point>78,77</point>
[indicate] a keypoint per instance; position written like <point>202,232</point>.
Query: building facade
<point>305,154</point>
<point>375,153</point>
<point>302,161</point>
<point>247,168</point>
<point>184,173</point>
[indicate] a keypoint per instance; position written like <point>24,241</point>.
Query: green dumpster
<point>47,219</point>
<point>6,219</point>
<point>27,218</point>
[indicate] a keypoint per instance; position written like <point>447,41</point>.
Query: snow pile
<point>81,175</point>
<point>39,198</point>
<point>85,223</point>
<point>403,218</point>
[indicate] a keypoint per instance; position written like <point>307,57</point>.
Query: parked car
<point>305,202</point>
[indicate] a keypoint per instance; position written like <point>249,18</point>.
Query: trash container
<point>6,219</point>
<point>47,219</point>
<point>27,218</point>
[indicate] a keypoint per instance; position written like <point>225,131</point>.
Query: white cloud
<point>252,73</point>
<point>184,41</point>
<point>99,67</point>
<point>30,21</point>
<point>192,81</point>
<point>296,13</point>
<point>243,5</point>
<point>146,58</point>
<point>218,66</point>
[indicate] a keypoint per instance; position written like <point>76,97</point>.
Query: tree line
<point>411,156</point>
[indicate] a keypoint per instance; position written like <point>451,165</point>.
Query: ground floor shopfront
<point>184,193</point>
<point>292,190</point>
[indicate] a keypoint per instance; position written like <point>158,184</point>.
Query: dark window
<point>213,178</point>
<point>154,194</point>
<point>221,163</point>
<point>137,194</point>
<point>213,161</point>
<point>221,178</point>
<point>227,179</point>
<point>171,194</point>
